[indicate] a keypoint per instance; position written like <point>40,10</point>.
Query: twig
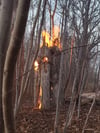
<point>88,114</point>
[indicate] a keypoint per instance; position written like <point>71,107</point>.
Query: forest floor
<point>30,120</point>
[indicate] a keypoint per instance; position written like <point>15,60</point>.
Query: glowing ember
<point>36,65</point>
<point>45,59</point>
<point>40,105</point>
<point>40,98</point>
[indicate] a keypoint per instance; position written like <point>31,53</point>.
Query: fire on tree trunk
<point>47,71</point>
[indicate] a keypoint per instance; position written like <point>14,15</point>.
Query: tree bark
<point>6,8</point>
<point>23,88</point>
<point>60,87</point>
<point>27,62</point>
<point>45,79</point>
<point>11,57</point>
<point>36,87</point>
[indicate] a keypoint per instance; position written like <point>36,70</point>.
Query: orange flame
<point>49,42</point>
<point>46,36</point>
<point>40,98</point>
<point>56,32</point>
<point>52,41</point>
<point>45,59</point>
<point>36,65</point>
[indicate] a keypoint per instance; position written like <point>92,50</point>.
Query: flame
<point>56,31</point>
<point>51,41</point>
<point>36,65</point>
<point>45,59</point>
<point>47,37</point>
<point>40,98</point>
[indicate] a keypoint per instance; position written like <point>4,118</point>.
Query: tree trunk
<point>36,87</point>
<point>27,62</point>
<point>11,57</point>
<point>45,79</point>
<point>5,22</point>
<point>23,87</point>
<point>60,87</point>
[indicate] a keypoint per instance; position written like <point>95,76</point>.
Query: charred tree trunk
<point>54,74</point>
<point>36,87</point>
<point>45,78</point>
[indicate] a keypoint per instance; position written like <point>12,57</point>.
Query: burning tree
<point>47,69</point>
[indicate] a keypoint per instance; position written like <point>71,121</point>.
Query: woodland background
<point>21,25</point>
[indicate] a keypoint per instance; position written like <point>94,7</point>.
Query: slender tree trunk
<point>11,57</point>
<point>81,85</point>
<point>52,18</point>
<point>23,88</point>
<point>30,48</point>
<point>6,8</point>
<point>19,65</point>
<point>60,87</point>
<point>93,102</point>
<point>36,87</point>
<point>72,103</point>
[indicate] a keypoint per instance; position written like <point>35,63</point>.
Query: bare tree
<point>52,15</point>
<point>86,11</point>
<point>27,61</point>
<point>5,22</point>
<point>83,21</point>
<point>23,88</point>
<point>11,57</point>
